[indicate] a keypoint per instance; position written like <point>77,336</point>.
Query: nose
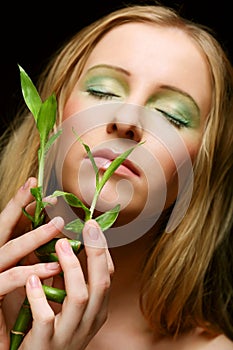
<point>126,124</point>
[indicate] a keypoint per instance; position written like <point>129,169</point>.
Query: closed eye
<point>177,122</point>
<point>101,94</point>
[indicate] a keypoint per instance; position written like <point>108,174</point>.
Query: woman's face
<point>141,83</point>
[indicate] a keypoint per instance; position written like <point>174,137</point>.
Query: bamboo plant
<point>44,114</point>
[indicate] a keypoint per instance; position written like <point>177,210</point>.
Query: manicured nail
<point>34,281</point>
<point>25,185</point>
<point>57,221</point>
<point>93,232</point>
<point>50,200</point>
<point>66,248</point>
<point>52,266</point>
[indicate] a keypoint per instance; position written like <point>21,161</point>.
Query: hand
<point>12,250</point>
<point>84,309</point>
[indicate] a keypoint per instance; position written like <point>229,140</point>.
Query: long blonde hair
<point>187,279</point>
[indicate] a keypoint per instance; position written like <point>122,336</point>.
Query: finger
<point>17,276</point>
<point>76,290</point>
<point>43,316</point>
<point>95,241</point>
<point>4,339</point>
<point>13,210</point>
<point>100,269</point>
<point>17,248</point>
<point>24,222</point>
<point>101,242</point>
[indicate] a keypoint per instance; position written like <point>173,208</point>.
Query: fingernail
<point>57,221</point>
<point>66,248</point>
<point>34,281</point>
<point>25,185</point>
<point>93,232</point>
<point>50,200</point>
<point>52,266</point>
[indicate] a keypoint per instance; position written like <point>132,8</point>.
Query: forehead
<point>138,39</point>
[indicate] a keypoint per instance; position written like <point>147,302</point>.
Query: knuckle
<point>9,245</point>
<point>111,270</point>
<point>103,284</point>
<point>79,300</point>
<point>96,249</point>
<point>14,274</point>
<point>46,319</point>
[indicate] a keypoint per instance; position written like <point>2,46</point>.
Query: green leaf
<point>51,140</point>
<point>39,214</point>
<point>107,219</point>
<point>90,156</point>
<point>114,165</point>
<point>71,199</point>
<point>30,217</point>
<point>30,93</point>
<point>37,193</point>
<point>75,226</point>
<point>38,220</point>
<point>107,174</point>
<point>46,118</point>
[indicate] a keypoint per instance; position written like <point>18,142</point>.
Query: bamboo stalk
<point>21,325</point>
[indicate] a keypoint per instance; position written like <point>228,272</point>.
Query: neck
<point>125,287</point>
<point>129,260</point>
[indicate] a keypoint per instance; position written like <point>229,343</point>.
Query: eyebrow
<point>182,92</point>
<point>119,69</point>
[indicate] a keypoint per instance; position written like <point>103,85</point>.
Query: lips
<point>103,158</point>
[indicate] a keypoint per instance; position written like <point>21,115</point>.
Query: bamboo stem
<point>21,325</point>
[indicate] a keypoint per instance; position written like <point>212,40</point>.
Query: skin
<point>113,76</point>
<point>75,307</point>
<point>85,309</point>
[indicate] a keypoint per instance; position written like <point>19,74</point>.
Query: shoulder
<point>220,342</point>
<point>200,340</point>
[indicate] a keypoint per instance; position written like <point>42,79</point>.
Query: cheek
<point>193,146</point>
<point>163,157</point>
<point>182,175</point>
<point>77,102</point>
<point>71,108</point>
<point>74,174</point>
<point>169,167</point>
<point>74,105</point>
<point>176,162</point>
<point>69,171</point>
<point>67,165</point>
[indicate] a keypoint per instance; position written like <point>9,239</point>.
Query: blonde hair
<point>187,279</point>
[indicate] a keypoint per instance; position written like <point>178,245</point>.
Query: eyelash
<point>101,95</point>
<point>176,122</point>
<point>108,95</point>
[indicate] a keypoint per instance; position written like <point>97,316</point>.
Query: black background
<point>30,32</point>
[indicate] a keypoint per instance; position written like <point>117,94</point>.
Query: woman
<point>159,75</point>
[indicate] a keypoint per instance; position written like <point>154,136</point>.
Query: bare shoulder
<point>221,342</point>
<point>196,341</point>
